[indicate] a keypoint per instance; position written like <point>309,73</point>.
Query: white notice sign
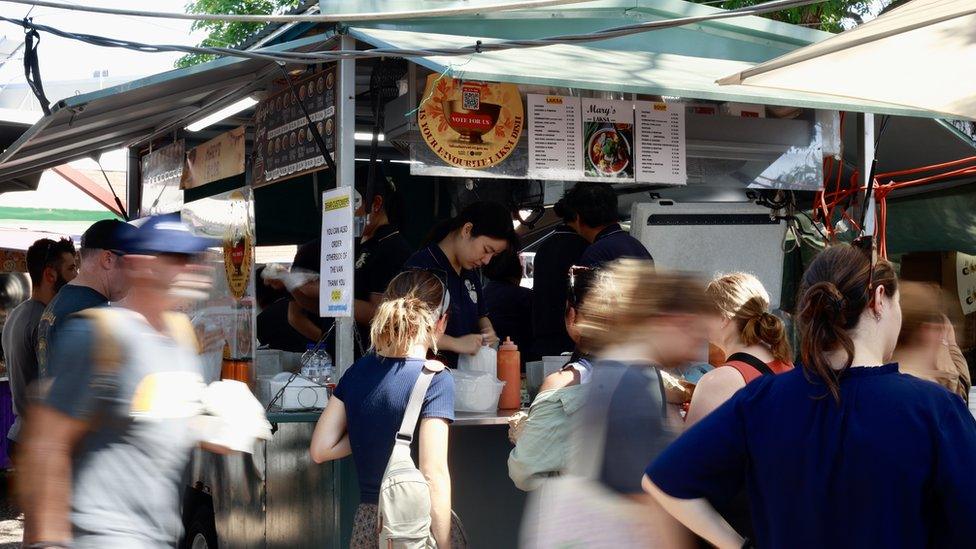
<point>661,151</point>
<point>554,137</point>
<point>336,279</point>
<point>966,282</point>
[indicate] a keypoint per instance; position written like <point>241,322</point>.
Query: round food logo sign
<point>471,125</point>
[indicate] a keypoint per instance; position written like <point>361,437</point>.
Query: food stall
<point>712,178</point>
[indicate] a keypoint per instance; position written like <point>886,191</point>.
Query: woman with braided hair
<point>843,452</point>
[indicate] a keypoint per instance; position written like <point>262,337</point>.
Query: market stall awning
<point>13,124</point>
<point>919,56</point>
<point>593,68</point>
<point>137,111</point>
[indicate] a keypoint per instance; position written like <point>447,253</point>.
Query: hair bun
<point>828,297</point>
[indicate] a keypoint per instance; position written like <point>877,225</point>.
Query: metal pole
<point>133,184</point>
<point>346,177</point>
<point>865,161</point>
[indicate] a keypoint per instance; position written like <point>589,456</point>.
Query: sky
<point>63,59</point>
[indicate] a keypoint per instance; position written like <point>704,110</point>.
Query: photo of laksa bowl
<point>608,152</point>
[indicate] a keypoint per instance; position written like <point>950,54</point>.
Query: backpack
<point>403,513</point>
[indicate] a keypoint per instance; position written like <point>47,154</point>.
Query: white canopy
<point>919,56</point>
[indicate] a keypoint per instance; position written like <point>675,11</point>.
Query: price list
<point>662,155</point>
<point>555,149</point>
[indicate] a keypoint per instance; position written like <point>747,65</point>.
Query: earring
<point>877,317</point>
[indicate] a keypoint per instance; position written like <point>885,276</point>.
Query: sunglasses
<point>580,280</point>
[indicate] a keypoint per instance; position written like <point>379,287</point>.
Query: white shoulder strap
<point>416,402</point>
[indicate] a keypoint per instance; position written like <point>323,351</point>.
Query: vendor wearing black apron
<point>459,248</point>
<point>596,219</point>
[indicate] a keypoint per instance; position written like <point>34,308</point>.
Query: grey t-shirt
<point>626,402</point>
<point>19,342</point>
<point>127,470</point>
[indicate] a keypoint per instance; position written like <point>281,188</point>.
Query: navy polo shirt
<point>889,465</point>
<point>611,244</point>
<point>553,258</point>
<point>467,296</point>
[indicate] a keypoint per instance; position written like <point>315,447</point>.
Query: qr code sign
<point>471,99</point>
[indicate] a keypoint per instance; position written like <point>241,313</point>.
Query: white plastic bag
<point>485,362</point>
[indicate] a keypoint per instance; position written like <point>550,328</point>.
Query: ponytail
<point>741,297</point>
<point>408,314</point>
<point>835,290</point>
<point>768,329</point>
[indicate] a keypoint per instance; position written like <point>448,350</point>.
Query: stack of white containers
<point>476,384</point>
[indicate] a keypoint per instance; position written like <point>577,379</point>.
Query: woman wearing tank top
<point>754,340</point>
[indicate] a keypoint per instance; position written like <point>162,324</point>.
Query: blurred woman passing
<point>927,346</point>
<point>753,339</point>
<point>640,321</point>
<point>844,452</point>
<point>368,406</point>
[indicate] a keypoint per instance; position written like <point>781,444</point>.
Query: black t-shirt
<point>275,331</point>
<point>378,260</point>
<point>557,253</point>
<point>510,312</point>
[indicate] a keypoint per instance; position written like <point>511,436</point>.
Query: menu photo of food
<point>608,139</point>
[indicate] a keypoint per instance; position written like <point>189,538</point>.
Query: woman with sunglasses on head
<point>844,452</point>
<point>541,437</point>
<point>458,248</point>
<point>367,408</point>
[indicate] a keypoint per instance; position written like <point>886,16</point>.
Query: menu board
<point>555,149</point>
<point>284,147</point>
<point>661,153</point>
<point>608,138</point>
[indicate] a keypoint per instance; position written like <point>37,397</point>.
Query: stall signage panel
<point>284,147</point>
<point>337,268</point>
<point>661,152</point>
<point>966,282</point>
<point>608,140</point>
<point>238,245</point>
<point>555,150</point>
<point>470,125</point>
<point>161,173</point>
<point>219,158</point>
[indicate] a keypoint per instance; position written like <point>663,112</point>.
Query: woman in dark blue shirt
<point>845,452</point>
<point>459,248</point>
<point>367,408</point>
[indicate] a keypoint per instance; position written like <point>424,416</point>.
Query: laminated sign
<point>238,246</point>
<point>966,282</point>
<point>337,267</point>
<point>471,125</point>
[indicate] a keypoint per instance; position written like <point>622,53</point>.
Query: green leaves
<point>223,34</point>
<point>829,16</point>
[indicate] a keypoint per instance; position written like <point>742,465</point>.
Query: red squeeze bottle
<point>510,371</point>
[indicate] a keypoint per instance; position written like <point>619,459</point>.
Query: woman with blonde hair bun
<point>753,339</point>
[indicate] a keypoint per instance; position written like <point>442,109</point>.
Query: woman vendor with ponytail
<point>458,248</point>
<point>753,339</point>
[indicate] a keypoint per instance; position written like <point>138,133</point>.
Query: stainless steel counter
<point>462,419</point>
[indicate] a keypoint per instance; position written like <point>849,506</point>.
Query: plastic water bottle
<point>326,371</point>
<point>309,362</point>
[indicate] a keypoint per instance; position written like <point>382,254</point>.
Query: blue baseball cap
<point>165,234</point>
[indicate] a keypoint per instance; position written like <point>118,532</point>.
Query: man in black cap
<point>110,440</point>
<point>100,280</point>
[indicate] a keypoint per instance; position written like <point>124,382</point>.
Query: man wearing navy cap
<point>100,280</point>
<point>111,438</point>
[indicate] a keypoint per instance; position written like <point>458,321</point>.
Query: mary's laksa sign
<point>471,125</point>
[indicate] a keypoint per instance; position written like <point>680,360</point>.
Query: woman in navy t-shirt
<point>459,248</point>
<point>844,452</point>
<point>367,408</point>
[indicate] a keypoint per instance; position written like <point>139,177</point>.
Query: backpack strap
<point>749,366</point>
<point>416,402</point>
